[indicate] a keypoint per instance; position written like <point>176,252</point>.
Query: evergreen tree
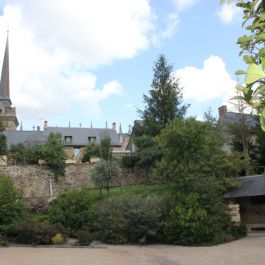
<point>164,102</point>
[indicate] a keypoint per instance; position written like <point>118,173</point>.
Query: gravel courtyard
<point>247,251</point>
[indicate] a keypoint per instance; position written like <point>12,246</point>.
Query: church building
<point>7,112</point>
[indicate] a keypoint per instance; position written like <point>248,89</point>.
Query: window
<point>92,139</point>
<point>68,139</point>
<point>77,152</point>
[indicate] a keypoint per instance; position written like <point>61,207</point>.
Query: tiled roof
<point>237,118</point>
<point>25,137</point>
<point>249,186</point>
<point>79,136</point>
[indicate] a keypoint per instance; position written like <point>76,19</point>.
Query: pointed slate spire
<point>4,84</point>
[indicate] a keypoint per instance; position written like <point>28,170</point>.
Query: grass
<point>140,190</point>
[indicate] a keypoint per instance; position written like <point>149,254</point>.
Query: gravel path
<point>247,251</point>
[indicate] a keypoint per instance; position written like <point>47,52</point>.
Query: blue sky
<point>91,61</point>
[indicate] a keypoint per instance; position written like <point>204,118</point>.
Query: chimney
<point>114,126</point>
<point>38,128</point>
<point>222,111</point>
<point>45,125</point>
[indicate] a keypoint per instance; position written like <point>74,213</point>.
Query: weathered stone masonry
<point>34,180</point>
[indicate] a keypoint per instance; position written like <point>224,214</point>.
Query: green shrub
<point>85,238</point>
<point>30,232</point>
<point>191,222</point>
<point>58,239</point>
<point>11,208</point>
<point>74,209</point>
<point>36,217</point>
<point>131,219</point>
<point>129,161</point>
<point>3,241</point>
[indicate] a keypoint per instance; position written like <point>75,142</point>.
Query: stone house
<point>236,127</point>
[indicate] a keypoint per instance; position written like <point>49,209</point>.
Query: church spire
<point>4,84</point>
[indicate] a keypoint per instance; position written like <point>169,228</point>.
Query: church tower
<point>7,113</point>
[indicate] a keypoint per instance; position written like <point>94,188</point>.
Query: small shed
<point>250,195</point>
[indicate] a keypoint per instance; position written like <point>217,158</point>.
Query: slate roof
<point>79,136</point>
<point>249,186</point>
<point>25,137</point>
<point>237,118</point>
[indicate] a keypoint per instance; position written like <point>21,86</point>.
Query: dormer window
<point>92,139</point>
<point>68,139</point>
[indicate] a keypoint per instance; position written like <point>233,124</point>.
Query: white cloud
<point>183,4</point>
<point>208,83</point>
<point>228,13</point>
<point>173,20</point>
<point>91,32</point>
<point>48,83</point>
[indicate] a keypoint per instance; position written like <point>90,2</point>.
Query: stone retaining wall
<point>34,180</point>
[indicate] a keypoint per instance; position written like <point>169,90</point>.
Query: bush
<point>11,208</point>
<point>58,239</point>
<point>74,209</point>
<point>30,232</point>
<point>131,219</point>
<point>129,161</point>
<point>3,241</point>
<point>191,222</point>
<point>85,238</point>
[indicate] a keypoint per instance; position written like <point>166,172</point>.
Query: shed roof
<point>248,186</point>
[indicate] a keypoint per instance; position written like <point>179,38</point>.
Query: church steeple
<point>4,84</point>
<point>7,112</point>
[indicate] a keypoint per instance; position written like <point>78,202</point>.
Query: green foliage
<point>149,152</point>
<point>190,149</point>
<point>30,232</point>
<point>11,207</point>
<point>103,172</point>
<point>91,150</point>
<point>2,126</point>
<point>164,102</point>
<point>131,220</point>
<point>84,237</point>
<point>20,154</point>
<point>105,148</point>
<point>3,241</point>
<point>253,51</point>
<point>191,222</point>
<point>129,161</point>
<point>74,209</point>
<point>53,154</point>
<point>3,145</point>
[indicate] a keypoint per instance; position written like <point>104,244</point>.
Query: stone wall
<point>233,210</point>
<point>34,180</point>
